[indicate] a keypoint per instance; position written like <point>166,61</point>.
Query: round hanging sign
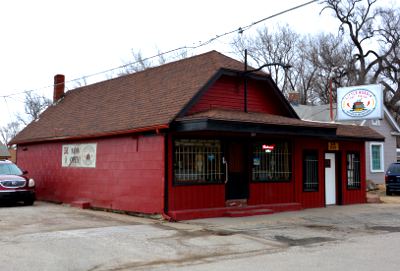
<point>359,103</point>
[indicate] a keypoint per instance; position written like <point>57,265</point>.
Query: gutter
<point>155,128</point>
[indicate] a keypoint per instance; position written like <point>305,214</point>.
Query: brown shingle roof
<point>250,117</point>
<point>356,131</point>
<point>342,131</point>
<point>150,98</point>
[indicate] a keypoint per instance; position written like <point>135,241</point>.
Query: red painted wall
<point>271,193</point>
<point>129,173</point>
<point>309,199</point>
<point>227,93</point>
<point>183,197</point>
<point>317,199</point>
<point>212,196</point>
<point>352,196</point>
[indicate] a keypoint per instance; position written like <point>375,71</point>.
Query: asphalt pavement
<point>55,237</point>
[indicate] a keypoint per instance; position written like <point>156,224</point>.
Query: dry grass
<point>381,192</point>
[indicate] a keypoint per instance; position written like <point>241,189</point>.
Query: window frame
<point>381,156</point>
<point>289,159</point>
<point>312,188</point>
<point>356,184</point>
<point>187,182</point>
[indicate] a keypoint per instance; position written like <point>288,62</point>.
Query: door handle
<point>226,169</point>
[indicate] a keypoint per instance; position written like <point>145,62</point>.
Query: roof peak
<point>148,98</point>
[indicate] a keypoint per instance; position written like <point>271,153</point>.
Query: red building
<point>183,140</point>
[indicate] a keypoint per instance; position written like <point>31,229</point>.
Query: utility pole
<point>245,80</point>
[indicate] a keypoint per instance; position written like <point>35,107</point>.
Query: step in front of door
<point>241,213</point>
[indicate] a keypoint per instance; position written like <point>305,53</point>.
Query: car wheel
<point>388,192</point>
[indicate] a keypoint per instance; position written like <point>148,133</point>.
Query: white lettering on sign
<point>79,155</point>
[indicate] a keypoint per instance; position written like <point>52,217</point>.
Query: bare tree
<point>358,20</point>
<point>314,60</point>
<point>9,131</point>
<point>81,82</point>
<point>391,61</point>
<point>374,33</point>
<point>140,63</point>
<point>34,106</point>
<point>328,60</point>
<point>269,47</point>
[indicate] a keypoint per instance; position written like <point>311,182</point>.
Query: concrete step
<point>248,210</point>
<point>241,213</point>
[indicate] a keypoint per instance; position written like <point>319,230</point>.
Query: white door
<point>330,179</point>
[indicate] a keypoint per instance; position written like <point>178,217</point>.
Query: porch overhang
<point>244,127</point>
<point>221,120</point>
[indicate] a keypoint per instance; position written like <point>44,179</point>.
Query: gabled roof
<point>152,100</point>
<point>136,102</point>
<point>391,120</point>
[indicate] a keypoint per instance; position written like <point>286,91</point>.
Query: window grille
<point>271,162</point>
<point>353,171</point>
<point>310,171</point>
<point>197,161</point>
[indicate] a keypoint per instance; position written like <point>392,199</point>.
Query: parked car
<point>15,186</point>
<point>392,179</point>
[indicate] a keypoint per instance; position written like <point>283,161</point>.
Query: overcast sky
<point>81,37</point>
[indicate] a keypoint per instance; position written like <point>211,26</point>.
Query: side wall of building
<point>389,151</point>
<point>129,173</point>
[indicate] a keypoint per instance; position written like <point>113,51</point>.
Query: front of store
<point>227,166</point>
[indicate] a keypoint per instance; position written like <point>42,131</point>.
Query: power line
<point>239,30</point>
<point>8,108</point>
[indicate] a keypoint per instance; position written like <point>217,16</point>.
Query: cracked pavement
<point>55,237</point>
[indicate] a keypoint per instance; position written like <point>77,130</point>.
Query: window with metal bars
<point>353,170</point>
<point>271,162</point>
<point>197,161</point>
<point>310,171</point>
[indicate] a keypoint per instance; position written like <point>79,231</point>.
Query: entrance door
<point>330,179</point>
<point>237,181</point>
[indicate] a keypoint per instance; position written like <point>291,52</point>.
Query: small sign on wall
<point>333,146</point>
<point>327,163</point>
<point>79,155</point>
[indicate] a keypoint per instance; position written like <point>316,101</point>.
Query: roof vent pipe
<point>59,86</point>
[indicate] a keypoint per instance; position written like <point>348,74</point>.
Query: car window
<point>394,169</point>
<point>9,169</point>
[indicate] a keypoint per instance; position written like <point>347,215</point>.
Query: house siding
<point>389,150</point>
<point>352,196</point>
<point>228,93</point>
<point>129,173</point>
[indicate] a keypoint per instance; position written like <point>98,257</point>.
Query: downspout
<point>166,174</point>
